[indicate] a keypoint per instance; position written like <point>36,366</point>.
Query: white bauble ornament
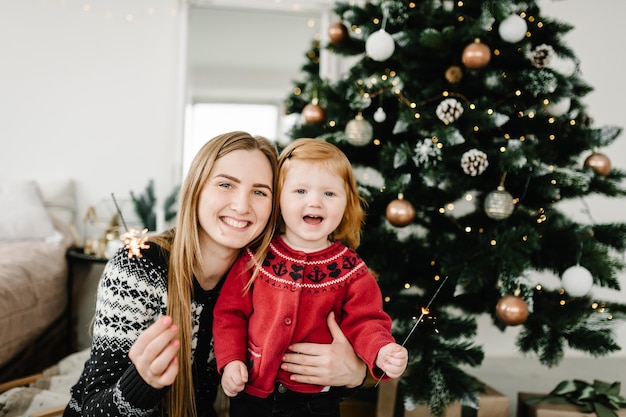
<point>513,29</point>
<point>448,5</point>
<point>564,66</point>
<point>379,45</point>
<point>560,107</point>
<point>577,281</point>
<point>380,115</point>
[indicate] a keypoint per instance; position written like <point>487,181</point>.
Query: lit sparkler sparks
<point>134,240</point>
<point>425,311</point>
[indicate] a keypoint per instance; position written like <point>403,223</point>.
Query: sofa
<point>37,221</point>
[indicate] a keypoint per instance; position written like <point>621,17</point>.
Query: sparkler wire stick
<point>119,212</point>
<point>425,310</point>
<point>134,240</point>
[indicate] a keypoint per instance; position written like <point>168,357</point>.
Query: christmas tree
<point>465,125</point>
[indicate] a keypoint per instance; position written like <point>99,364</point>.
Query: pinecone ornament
<point>474,162</point>
<point>542,55</point>
<point>449,110</point>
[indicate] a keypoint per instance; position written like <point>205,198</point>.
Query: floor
<point>511,375</point>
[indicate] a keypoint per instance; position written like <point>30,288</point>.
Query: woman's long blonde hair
<point>330,156</point>
<point>183,244</point>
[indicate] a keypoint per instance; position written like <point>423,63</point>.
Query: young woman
<point>281,295</point>
<point>151,353</point>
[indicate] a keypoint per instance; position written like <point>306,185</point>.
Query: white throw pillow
<point>23,215</point>
<point>59,198</point>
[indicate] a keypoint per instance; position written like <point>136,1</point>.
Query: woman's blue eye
<point>260,193</point>
<point>225,185</point>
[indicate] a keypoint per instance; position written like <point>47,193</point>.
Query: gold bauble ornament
<point>476,55</point>
<point>499,204</point>
<point>454,74</point>
<point>359,132</point>
<point>400,212</point>
<point>512,310</point>
<point>313,113</point>
<point>337,33</point>
<point>599,162</point>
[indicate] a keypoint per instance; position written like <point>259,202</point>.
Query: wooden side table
<point>76,258</point>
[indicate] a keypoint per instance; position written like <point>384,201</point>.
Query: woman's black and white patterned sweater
<point>132,294</point>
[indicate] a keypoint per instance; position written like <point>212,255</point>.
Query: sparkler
<point>134,240</point>
<point>425,310</point>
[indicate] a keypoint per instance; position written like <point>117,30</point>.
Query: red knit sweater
<point>289,303</point>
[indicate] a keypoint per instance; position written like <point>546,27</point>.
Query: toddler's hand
<point>392,359</point>
<point>234,378</point>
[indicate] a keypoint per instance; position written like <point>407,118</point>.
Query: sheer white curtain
<point>207,120</point>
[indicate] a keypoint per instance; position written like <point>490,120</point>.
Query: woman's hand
<point>154,353</point>
<point>333,364</point>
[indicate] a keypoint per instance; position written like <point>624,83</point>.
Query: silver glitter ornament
<point>499,204</point>
<point>359,131</point>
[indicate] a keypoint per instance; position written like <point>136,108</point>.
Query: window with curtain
<point>207,120</point>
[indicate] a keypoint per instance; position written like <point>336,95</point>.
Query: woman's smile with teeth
<point>235,223</point>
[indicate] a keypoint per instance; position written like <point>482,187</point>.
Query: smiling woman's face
<point>236,201</point>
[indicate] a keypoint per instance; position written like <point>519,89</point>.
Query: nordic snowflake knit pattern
<point>132,294</point>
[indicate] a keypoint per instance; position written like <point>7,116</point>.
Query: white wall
<point>259,60</point>
<point>100,99</point>
<point>91,94</point>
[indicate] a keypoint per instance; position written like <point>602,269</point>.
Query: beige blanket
<point>50,391</point>
<point>33,291</point>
